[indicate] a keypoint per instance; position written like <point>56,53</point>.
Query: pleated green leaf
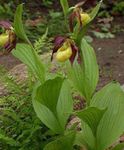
<point>65,104</point>
<point>85,76</point>
<point>28,56</point>
<point>47,117</point>
<point>111,125</point>
<point>63,143</point>
<point>18,24</point>
<point>75,74</point>
<point>90,69</point>
<point>48,93</point>
<point>92,117</point>
<point>85,137</point>
<point>56,96</point>
<point>44,113</point>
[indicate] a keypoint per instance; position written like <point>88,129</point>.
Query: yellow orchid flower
<point>64,53</point>
<point>65,49</point>
<point>4,39</point>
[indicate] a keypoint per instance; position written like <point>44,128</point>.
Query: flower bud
<point>3,39</point>
<point>85,18</point>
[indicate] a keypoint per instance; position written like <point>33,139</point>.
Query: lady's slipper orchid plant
<point>65,49</point>
<point>7,37</point>
<point>52,96</point>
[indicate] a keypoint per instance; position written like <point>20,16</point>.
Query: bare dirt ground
<point>110,56</point>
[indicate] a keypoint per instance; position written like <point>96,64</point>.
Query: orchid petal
<point>58,41</point>
<point>74,53</point>
<point>5,24</point>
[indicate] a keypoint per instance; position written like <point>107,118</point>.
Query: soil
<point>110,56</point>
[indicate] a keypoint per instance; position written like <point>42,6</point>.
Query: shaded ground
<point>110,55</point>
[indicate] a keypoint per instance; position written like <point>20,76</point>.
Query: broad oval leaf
<point>55,94</point>
<point>90,69</point>
<point>65,104</point>
<point>85,77</point>
<point>48,93</point>
<point>111,125</point>
<point>28,56</point>
<point>85,137</point>
<point>44,113</point>
<point>92,117</point>
<point>46,116</point>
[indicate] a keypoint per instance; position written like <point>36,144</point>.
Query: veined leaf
<point>48,93</point>
<point>56,96</point>
<point>111,125</point>
<point>85,137</point>
<point>75,74</point>
<point>63,143</point>
<point>65,104</point>
<point>90,69</point>
<point>65,6</point>
<point>92,117</point>
<point>18,25</point>
<point>46,116</point>
<point>44,113</point>
<point>85,77</point>
<point>28,56</point>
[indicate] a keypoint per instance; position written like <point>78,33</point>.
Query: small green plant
<point>102,120</point>
<point>119,7</point>
<point>19,126</point>
<point>43,44</point>
<point>47,3</point>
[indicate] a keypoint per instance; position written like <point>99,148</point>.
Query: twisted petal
<point>75,15</point>
<point>71,21</point>
<point>5,24</point>
<point>74,53</point>
<point>58,42</point>
<point>80,3</point>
